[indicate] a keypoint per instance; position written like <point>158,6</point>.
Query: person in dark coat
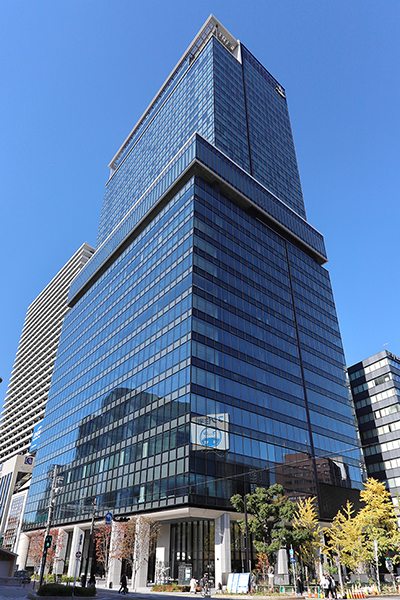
<point>299,585</point>
<point>124,586</point>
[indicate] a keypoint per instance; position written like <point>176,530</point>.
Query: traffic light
<point>47,541</point>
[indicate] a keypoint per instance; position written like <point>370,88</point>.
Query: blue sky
<point>76,76</point>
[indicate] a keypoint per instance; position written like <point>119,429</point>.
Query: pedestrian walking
<point>193,585</point>
<point>299,585</point>
<point>204,585</point>
<point>332,587</point>
<point>325,584</point>
<point>124,587</point>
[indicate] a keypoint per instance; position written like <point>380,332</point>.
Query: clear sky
<point>77,74</point>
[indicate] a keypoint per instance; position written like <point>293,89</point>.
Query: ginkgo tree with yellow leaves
<point>344,541</point>
<point>306,518</point>
<point>351,535</point>
<point>275,522</point>
<point>378,520</point>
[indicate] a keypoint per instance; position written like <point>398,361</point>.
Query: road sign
<point>389,564</point>
<point>292,559</point>
<point>78,554</point>
<point>108,517</point>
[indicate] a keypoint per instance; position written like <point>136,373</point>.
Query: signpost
<point>293,562</point>
<point>184,574</point>
<point>389,566</point>
<point>108,518</point>
<point>78,556</point>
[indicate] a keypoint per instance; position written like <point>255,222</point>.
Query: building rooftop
<point>211,27</point>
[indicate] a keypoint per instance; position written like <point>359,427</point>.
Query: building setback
<point>202,348</point>
<point>375,385</point>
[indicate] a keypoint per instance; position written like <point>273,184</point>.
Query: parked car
<point>24,575</point>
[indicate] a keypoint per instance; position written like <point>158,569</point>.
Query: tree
<point>105,551</point>
<point>270,520</point>
<point>262,566</point>
<point>138,536</point>
<point>57,543</point>
<point>35,552</point>
<point>377,520</point>
<point>306,519</point>
<point>36,547</point>
<point>345,541</point>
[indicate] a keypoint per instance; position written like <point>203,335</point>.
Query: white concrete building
<point>15,474</point>
<point>30,379</point>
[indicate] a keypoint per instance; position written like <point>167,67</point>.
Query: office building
<point>202,346</point>
<point>23,408</point>
<point>375,385</point>
<point>26,399</point>
<point>15,475</point>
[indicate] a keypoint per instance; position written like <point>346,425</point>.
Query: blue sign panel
<point>238,583</point>
<point>35,436</point>
<point>210,438</point>
<point>108,517</point>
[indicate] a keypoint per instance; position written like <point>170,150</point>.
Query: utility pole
<point>247,558</point>
<point>377,565</point>
<point>90,540</point>
<point>47,531</point>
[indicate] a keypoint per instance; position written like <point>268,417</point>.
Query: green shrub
<point>54,589</point>
<point>57,589</point>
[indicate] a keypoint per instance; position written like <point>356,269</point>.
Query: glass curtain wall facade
<point>202,355</point>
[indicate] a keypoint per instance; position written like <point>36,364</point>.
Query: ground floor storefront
<point>191,542</point>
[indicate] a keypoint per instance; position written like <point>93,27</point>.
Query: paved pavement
<point>14,593</point>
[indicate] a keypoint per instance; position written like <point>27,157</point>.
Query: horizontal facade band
<point>198,157</point>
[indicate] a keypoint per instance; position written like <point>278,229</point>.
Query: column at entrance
<point>222,549</point>
<point>61,549</point>
<point>162,554</point>
<point>75,547</point>
<point>22,550</point>
<point>114,564</point>
<point>141,553</point>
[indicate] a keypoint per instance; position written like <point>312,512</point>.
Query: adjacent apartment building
<point>25,403</point>
<point>375,385</point>
<point>202,347</point>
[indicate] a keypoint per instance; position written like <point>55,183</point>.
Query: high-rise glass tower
<point>202,354</point>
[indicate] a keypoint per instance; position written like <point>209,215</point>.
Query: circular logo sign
<point>78,554</point>
<point>211,438</point>
<point>108,517</point>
